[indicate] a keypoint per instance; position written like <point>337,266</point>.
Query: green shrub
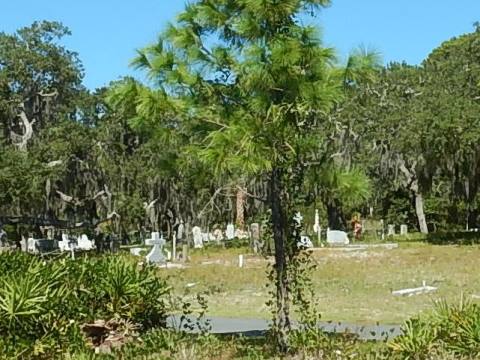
<point>453,330</point>
<point>43,303</point>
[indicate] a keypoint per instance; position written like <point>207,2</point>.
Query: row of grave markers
<point>66,244</point>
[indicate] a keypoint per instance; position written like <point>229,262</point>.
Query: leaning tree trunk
<point>412,180</point>
<point>280,229</point>
<point>419,208</point>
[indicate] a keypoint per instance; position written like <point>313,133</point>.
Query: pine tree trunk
<point>240,204</point>
<point>280,228</point>
<point>422,222</point>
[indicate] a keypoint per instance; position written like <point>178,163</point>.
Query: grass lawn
<point>351,286</point>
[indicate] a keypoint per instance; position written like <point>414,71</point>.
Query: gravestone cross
<point>156,255</point>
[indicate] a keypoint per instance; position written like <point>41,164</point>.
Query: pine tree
<point>255,87</point>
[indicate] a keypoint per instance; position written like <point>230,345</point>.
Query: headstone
<point>31,245</point>
<point>156,255</point>
<point>336,237</point>
<point>24,244</point>
<point>180,231</point>
<point>305,243</point>
<point>240,261</point>
<point>135,251</point>
<point>83,243</point>
<point>230,232</point>
<point>403,229</point>
<point>241,234</point>
<point>205,237</point>
<point>391,230</point>
<point>64,245</point>
<point>36,246</point>
<point>197,237</point>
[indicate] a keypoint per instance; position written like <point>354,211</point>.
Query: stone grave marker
<point>64,244</point>
<point>391,230</point>
<point>181,231</point>
<point>336,237</point>
<point>83,243</point>
<point>403,229</point>
<point>230,232</point>
<point>135,251</point>
<point>197,237</point>
<point>156,255</point>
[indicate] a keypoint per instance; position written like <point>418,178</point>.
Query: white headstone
<point>403,229</point>
<point>24,244</point>
<point>205,237</point>
<point>156,255</point>
<point>32,245</point>
<point>230,232</point>
<point>336,237</point>
<point>197,237</point>
<point>84,244</point>
<point>391,230</point>
<point>154,237</point>
<point>180,231</point>
<point>135,251</point>
<point>64,245</point>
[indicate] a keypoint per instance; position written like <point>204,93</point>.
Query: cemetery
<point>244,190</point>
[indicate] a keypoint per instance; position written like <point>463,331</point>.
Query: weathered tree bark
<point>280,229</point>
<point>422,222</point>
<point>240,205</point>
<point>412,181</point>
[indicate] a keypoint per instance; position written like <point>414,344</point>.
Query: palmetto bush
<point>451,329</point>
<point>43,303</point>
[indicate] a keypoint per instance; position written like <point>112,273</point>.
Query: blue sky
<point>107,32</point>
